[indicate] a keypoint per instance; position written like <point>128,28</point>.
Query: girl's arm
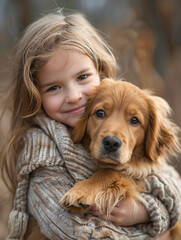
<point>164,191</point>
<point>46,188</point>
<point>163,209</point>
<point>127,214</point>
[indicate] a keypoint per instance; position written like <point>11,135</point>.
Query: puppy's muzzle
<point>111,144</point>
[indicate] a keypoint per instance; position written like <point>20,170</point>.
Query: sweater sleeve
<point>46,188</point>
<point>60,166</point>
<point>164,200</point>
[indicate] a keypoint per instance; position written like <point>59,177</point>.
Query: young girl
<point>57,62</point>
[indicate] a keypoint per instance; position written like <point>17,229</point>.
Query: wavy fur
<point>140,148</point>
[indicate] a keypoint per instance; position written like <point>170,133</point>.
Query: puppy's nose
<point>111,144</point>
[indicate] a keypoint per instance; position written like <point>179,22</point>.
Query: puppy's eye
<point>134,121</point>
<point>100,114</point>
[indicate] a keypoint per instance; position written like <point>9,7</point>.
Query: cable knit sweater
<point>51,164</point>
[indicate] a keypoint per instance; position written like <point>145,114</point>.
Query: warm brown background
<point>145,37</point>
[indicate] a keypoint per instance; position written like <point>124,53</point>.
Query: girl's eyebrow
<point>81,72</point>
<point>48,84</point>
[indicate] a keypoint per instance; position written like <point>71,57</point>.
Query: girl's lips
<point>77,110</point>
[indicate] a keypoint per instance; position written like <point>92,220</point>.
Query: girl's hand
<point>165,236</point>
<point>125,213</point>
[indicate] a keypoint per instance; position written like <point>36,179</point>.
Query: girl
<point>57,62</point>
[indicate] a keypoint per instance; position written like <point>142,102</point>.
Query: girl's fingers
<point>115,211</point>
<point>111,218</point>
<point>96,211</point>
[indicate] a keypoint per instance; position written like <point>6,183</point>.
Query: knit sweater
<point>51,164</point>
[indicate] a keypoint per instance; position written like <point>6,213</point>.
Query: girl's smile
<point>77,110</point>
<point>65,83</point>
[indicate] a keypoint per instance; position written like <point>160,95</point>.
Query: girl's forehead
<point>59,57</point>
<point>65,62</point>
<point>64,58</point>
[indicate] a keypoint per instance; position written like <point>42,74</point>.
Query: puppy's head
<point>123,123</point>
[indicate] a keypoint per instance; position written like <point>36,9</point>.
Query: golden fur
<point>144,148</point>
<point>129,134</point>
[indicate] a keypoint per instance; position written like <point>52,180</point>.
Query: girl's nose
<point>73,95</point>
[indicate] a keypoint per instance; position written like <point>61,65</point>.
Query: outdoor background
<point>145,37</point>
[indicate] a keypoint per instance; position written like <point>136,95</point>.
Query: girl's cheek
<point>48,104</point>
<point>91,87</point>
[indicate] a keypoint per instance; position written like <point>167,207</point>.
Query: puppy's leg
<point>122,188</point>
<point>105,188</point>
<point>82,196</point>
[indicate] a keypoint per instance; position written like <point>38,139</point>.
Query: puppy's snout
<point>111,144</point>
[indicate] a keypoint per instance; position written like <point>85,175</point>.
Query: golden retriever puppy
<point>129,134</point>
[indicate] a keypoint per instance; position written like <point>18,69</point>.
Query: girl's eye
<point>54,88</point>
<point>100,114</point>
<point>82,77</point>
<point>134,121</point>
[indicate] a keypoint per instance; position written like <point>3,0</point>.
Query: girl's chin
<point>72,121</point>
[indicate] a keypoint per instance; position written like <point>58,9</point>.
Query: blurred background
<point>145,37</point>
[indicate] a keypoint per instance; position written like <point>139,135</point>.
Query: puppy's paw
<point>107,199</point>
<point>124,188</point>
<point>75,201</point>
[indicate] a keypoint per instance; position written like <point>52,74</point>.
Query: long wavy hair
<point>31,53</point>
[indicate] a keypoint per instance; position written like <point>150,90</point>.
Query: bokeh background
<point>145,37</point>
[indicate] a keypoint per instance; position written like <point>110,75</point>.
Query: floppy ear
<point>162,133</point>
<point>79,132</point>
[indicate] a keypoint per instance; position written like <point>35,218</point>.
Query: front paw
<point>125,188</point>
<point>77,201</point>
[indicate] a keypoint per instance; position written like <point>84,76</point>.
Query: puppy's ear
<point>79,132</point>
<point>162,133</point>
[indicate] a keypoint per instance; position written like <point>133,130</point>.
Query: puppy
<point>129,134</point>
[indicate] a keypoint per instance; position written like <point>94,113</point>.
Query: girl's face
<point>65,83</point>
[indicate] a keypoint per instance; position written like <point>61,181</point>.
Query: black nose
<point>111,144</point>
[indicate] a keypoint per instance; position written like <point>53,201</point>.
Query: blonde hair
<point>31,53</point>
